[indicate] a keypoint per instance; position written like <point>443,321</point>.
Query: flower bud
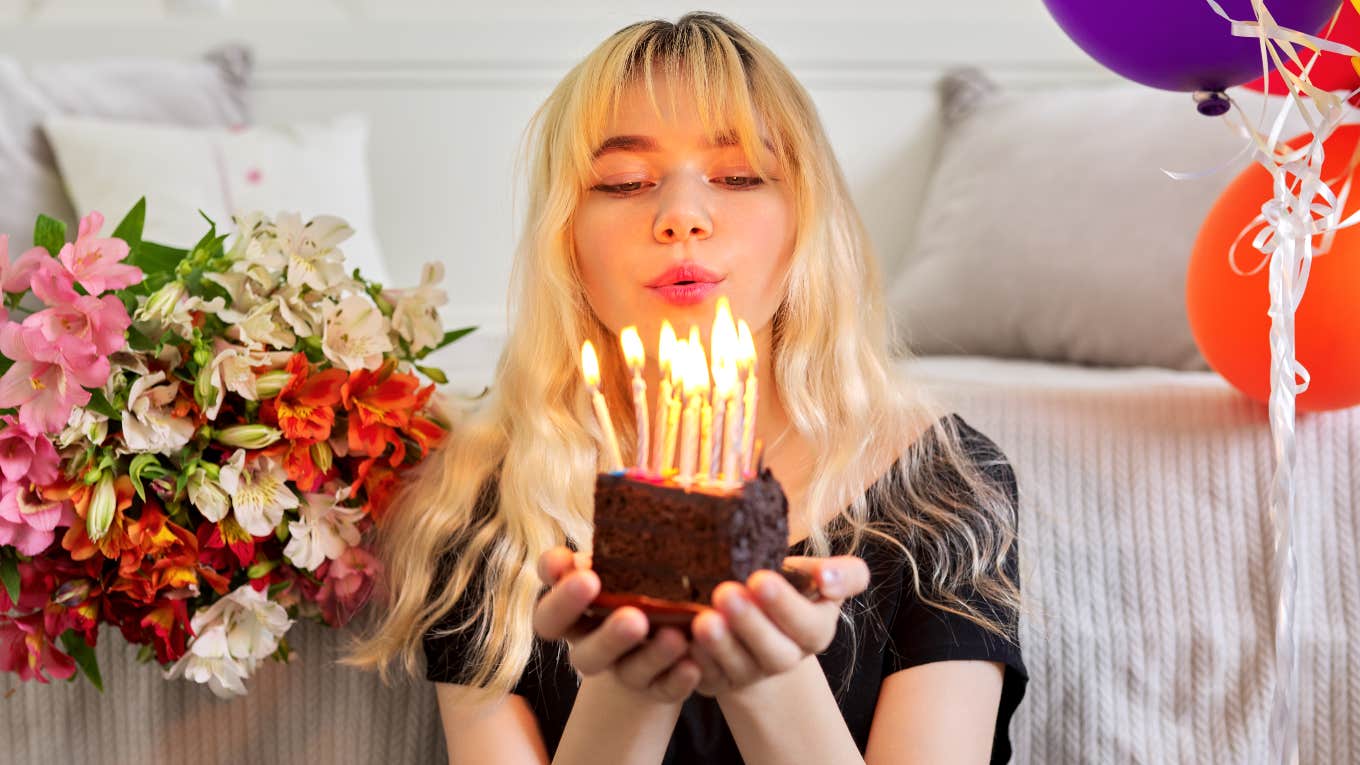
<point>72,592</point>
<point>269,384</point>
<point>205,393</point>
<point>322,456</point>
<point>102,507</point>
<point>162,303</point>
<point>247,436</point>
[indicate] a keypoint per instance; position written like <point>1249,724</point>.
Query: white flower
<point>232,369</point>
<point>208,660</point>
<point>325,530</point>
<point>264,326</point>
<point>313,259</point>
<point>84,425</point>
<point>415,317</point>
<point>258,495</point>
<point>255,625</point>
<point>231,637</point>
<point>302,314</point>
<point>249,283</point>
<point>355,335</point>
<point>148,425</point>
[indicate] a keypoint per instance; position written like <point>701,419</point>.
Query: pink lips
<point>685,284</point>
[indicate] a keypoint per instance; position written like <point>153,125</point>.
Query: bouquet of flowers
<point>195,445</point>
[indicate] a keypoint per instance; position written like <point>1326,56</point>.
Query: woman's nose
<point>682,214</point>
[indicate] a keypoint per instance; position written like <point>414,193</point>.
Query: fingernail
<point>733,603</point>
<point>831,578</point>
<point>767,588</point>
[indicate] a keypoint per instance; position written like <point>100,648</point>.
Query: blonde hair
<point>515,477</point>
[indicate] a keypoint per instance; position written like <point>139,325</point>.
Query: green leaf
<point>84,656</point>
<point>156,259</point>
<point>449,337</point>
<point>9,574</point>
<point>99,403</point>
<point>434,373</point>
<point>277,587</point>
<point>138,341</point>
<point>50,234</point>
<point>130,229</point>
<point>147,465</point>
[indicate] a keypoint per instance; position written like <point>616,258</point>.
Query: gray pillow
<point>1049,231</point>
<point>212,91</point>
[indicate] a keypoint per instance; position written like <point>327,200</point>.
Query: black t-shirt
<point>894,630</point>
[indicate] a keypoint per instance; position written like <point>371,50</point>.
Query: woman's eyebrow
<point>645,144</point>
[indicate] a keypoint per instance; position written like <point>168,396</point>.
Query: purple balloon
<point>1179,44</point>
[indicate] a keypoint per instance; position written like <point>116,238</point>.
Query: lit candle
<point>637,358</point>
<point>679,360</point>
<point>705,441</point>
<point>696,390</point>
<point>664,356</point>
<point>746,358</point>
<point>724,345</point>
<point>590,364</point>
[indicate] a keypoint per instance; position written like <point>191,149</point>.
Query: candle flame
<point>666,351</point>
<point>698,369</point>
<point>725,351</point>
<point>632,349</point>
<point>746,347</point>
<point>590,364</point>
<point>679,363</point>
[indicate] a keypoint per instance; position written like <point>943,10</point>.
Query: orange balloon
<point>1228,312</point>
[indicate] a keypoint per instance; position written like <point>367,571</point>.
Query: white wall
<point>449,86</point>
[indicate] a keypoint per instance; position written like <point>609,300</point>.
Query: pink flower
<point>28,520</point>
<point>52,283</point>
<point>95,262</point>
<point>26,648</point>
<point>25,454</point>
<point>97,323</point>
<point>348,583</point>
<point>45,391</point>
<point>15,277</point>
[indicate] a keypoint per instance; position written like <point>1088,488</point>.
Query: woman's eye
<point>741,181</point>
<point>620,188</point>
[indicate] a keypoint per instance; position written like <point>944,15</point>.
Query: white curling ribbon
<point>1290,222</point>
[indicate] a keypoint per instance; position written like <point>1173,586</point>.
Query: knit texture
<point>1146,550</point>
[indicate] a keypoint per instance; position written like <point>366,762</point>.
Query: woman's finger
<point>554,563</point>
<point>713,632</point>
<point>639,669</point>
<point>620,633</point>
<point>678,682</point>
<point>809,626</point>
<point>559,610</point>
<point>838,577</point>
<point>762,640</point>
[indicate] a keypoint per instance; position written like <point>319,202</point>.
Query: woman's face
<point>674,218</point>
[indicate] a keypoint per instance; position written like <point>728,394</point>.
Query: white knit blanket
<point>1146,550</point>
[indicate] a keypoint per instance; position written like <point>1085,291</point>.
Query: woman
<point>676,163</point>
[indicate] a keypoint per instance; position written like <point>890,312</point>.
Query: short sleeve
<point>921,633</point>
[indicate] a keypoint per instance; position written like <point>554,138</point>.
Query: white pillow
<point>213,91</point>
<point>1049,231</point>
<point>311,168</point>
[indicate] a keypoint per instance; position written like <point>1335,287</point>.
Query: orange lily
<point>305,404</point>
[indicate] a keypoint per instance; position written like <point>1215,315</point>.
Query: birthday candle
<point>664,356</point>
<point>724,344</point>
<point>696,390</point>
<point>679,359</point>
<point>590,364</point>
<point>636,358</point>
<point>747,356</point>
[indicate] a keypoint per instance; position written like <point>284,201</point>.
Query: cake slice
<point>663,541</point>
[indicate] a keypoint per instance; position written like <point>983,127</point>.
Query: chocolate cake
<point>662,541</point>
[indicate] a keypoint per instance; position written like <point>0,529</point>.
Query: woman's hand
<point>766,627</point>
<point>657,667</point>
